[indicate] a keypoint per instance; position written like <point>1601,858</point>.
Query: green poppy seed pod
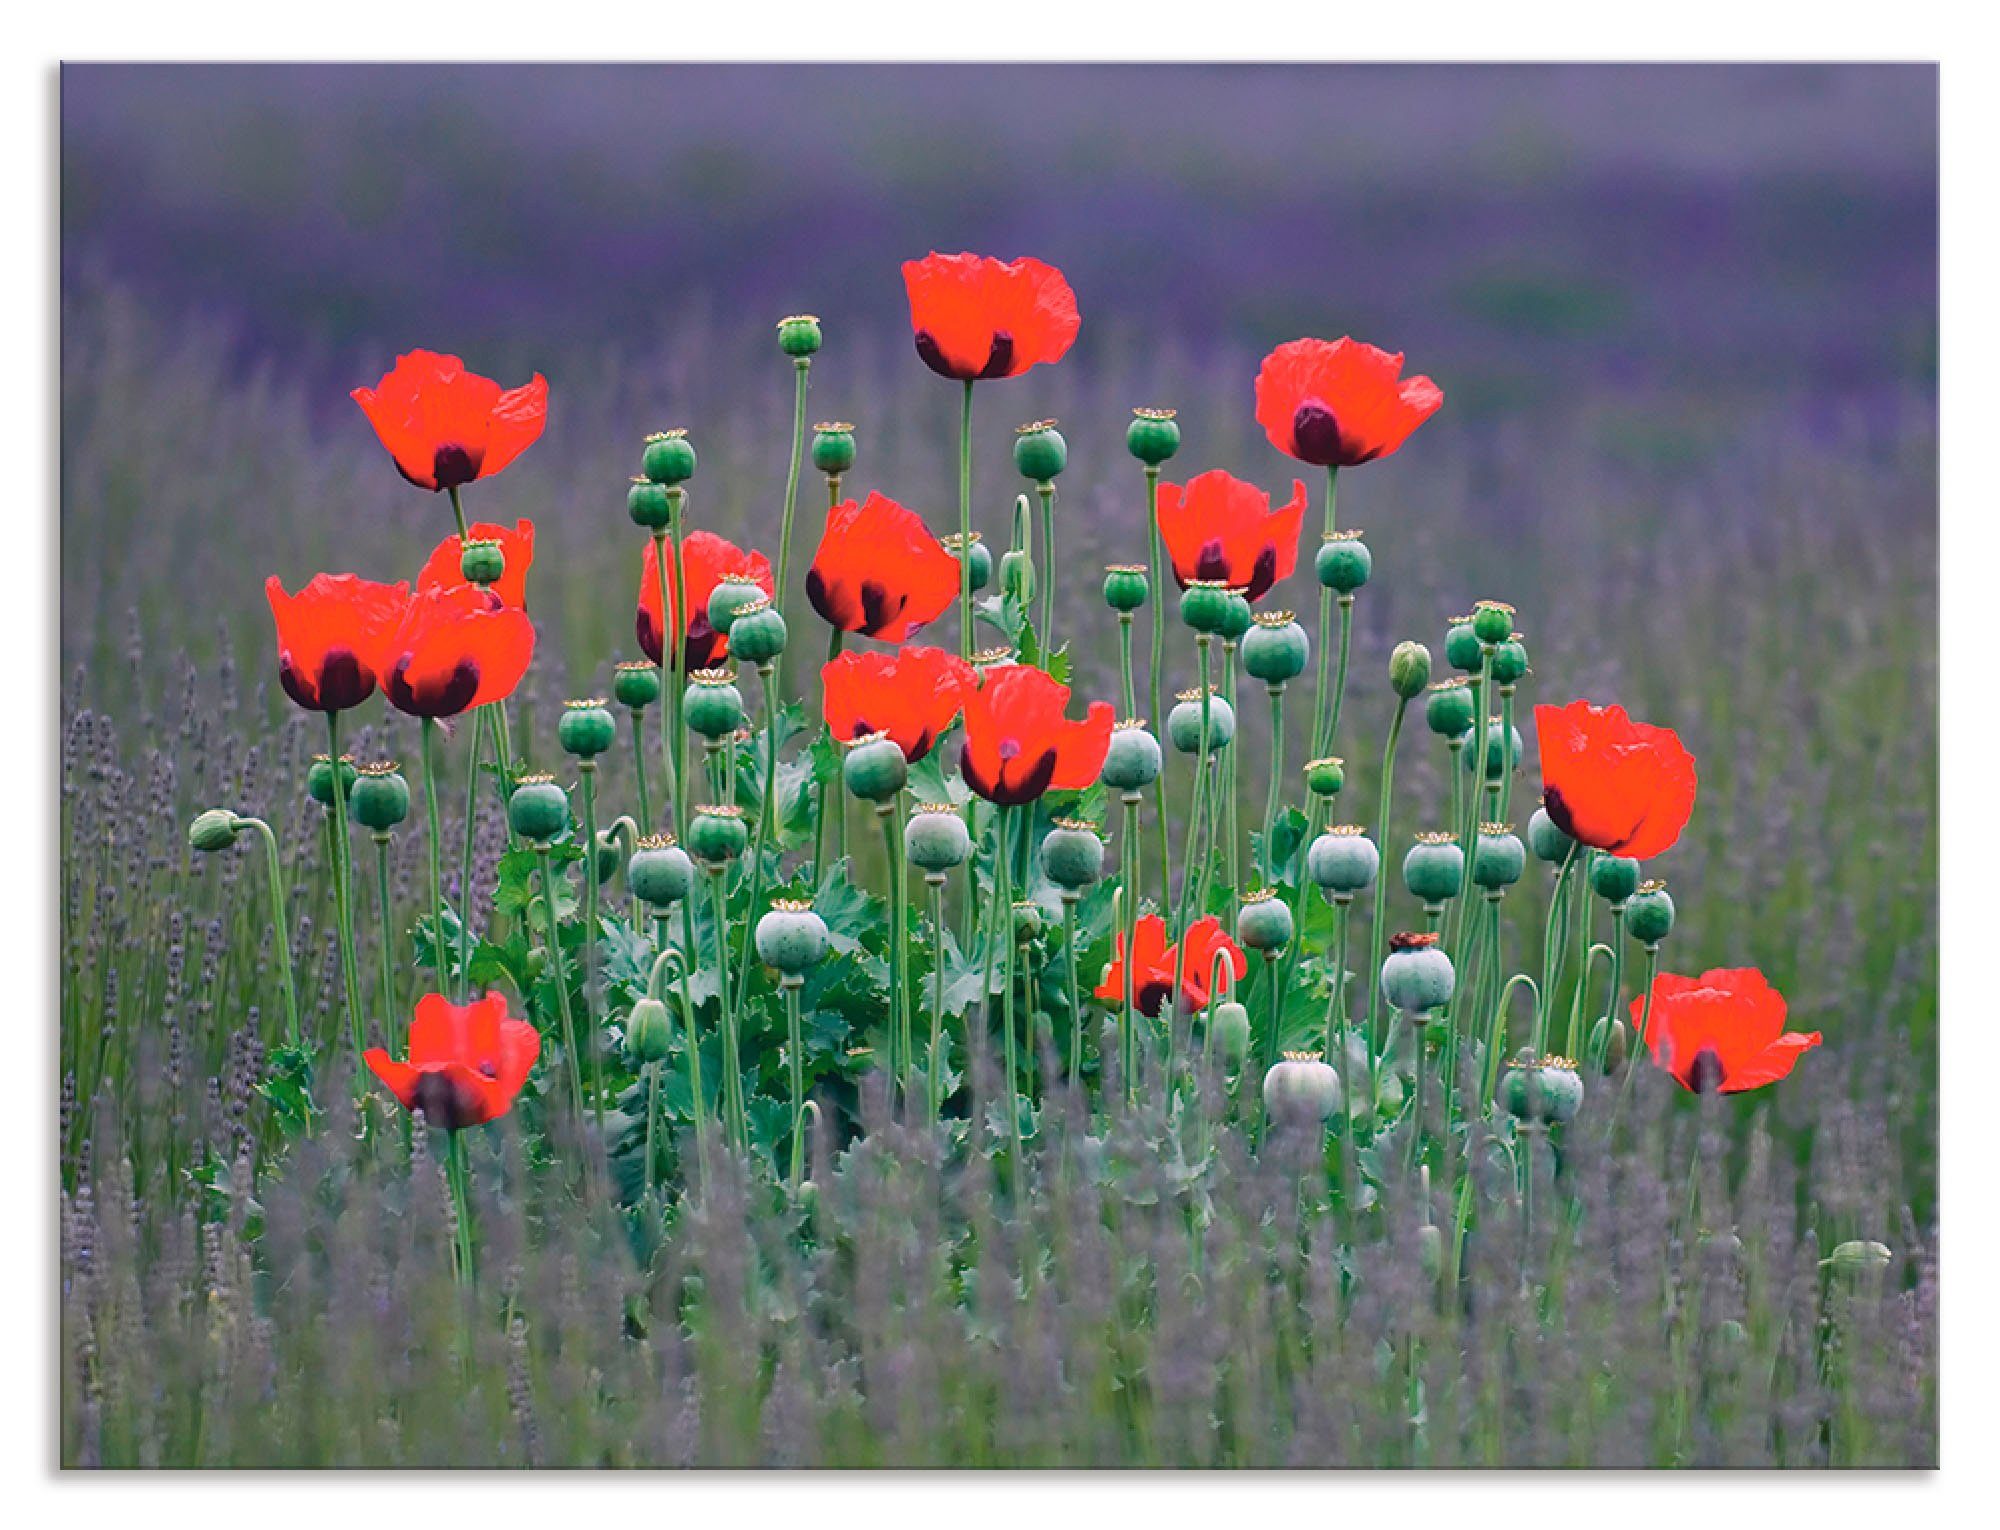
<point>1027,925</point>
<point>650,504</point>
<point>1275,649</point>
<point>636,684</point>
<point>1132,761</point>
<point>1449,709</point>
<point>1184,723</point>
<point>1510,662</point>
<point>586,728</point>
<point>1326,775</point>
<point>1343,861</point>
<point>1236,617</point>
<point>481,562</point>
<point>798,334</point>
<point>1232,1032</point>
<point>1614,878</point>
<point>978,559</point>
<point>1608,1041</point>
<point>1040,452</point>
<point>874,768</point>
<point>718,833</point>
<point>790,937</point>
<point>1434,868</point>
<point>833,447</point>
<point>648,1031</point>
<point>1416,976</point>
<point>1461,646</point>
<point>212,831</point>
<point>1492,621</point>
<point>1073,854</point>
<point>732,596</point>
<point>1430,1250</point>
<point>381,797</point>
<point>1499,857</point>
<point>758,634</point>
<point>1498,756</point>
<point>669,457</point>
<point>1344,562</point>
<point>1264,922</point>
<point>936,839</point>
<point>1547,841</point>
<point>1205,605</point>
<point>1017,575</point>
<point>1409,668</point>
<point>712,706</point>
<point>319,778</point>
<point>1153,436</point>
<point>660,873</point>
<point>1858,1255</point>
<point>538,809</point>
<point>1557,1090</point>
<point>1301,1089</point>
<point>1649,914</point>
<point>1126,587</point>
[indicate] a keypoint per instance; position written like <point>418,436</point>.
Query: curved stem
<point>281,935</point>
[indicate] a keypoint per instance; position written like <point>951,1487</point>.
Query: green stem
<point>732,1066</point>
<point>934,1062</point>
<point>796,1057</point>
<point>1277,774</point>
<point>1075,994</point>
<point>680,961</point>
<point>587,790</point>
<point>1325,746</point>
<point>765,814</point>
<point>1376,932</point>
<point>1125,664</point>
<point>1229,759</point>
<point>1047,491</point>
<point>1196,856</point>
<point>478,731</point>
<point>388,940</point>
<point>343,899</point>
<point>458,509</point>
<point>1639,1045</point>
<point>460,1180</point>
<point>826,788</point>
<point>1336,1000</point>
<point>900,1040</point>
<point>639,770</point>
<point>436,835</point>
<point>1127,1018</point>
<point>1551,958</point>
<point>1157,629</point>
<point>801,366</point>
<point>652,1115</point>
<point>1270,1034</point>
<point>965,643</point>
<point>572,1057</point>
<point>281,934</point>
<point>1001,928</point>
<point>1321,732</point>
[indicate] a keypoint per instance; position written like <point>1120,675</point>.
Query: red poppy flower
<point>705,561</point>
<point>1153,965</point>
<point>1220,528</point>
<point>517,547</point>
<point>912,695</point>
<point>456,649</point>
<point>975,316</point>
<point>446,426</point>
<point>332,637</point>
<point>466,1063</point>
<point>1723,1031</point>
<point>1340,403</point>
<point>1018,743</point>
<point>1607,781</point>
<point>879,571</point>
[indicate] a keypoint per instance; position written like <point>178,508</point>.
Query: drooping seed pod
<point>319,778</point>
<point>538,809</point>
<point>649,1031</point>
<point>1276,649</point>
<point>977,557</point>
<point>1450,710</point>
<point>1409,668</point>
<point>1498,858</point>
<point>1073,854</point>
<point>1492,621</point>
<point>1133,759</point>
<point>381,796</point>
<point>791,936</point>
<point>1498,756</point>
<point>1184,722</point>
<point>586,728</point>
<point>1126,587</point>
<point>1343,861</point>
<point>636,684</point>
<point>1614,878</point>
<point>213,830</point>
<point>1343,563</point>
<point>718,833</point>
<point>798,334</point>
<point>481,561</point>
<point>936,839</point>
<point>874,768</point>
<point>1434,867</point>
<point>1301,1089</point>
<point>757,636</point>
<point>669,457</point>
<point>833,447</point>
<point>711,705</point>
<point>1205,605</point>
<point>1326,775</point>
<point>1040,452</point>
<point>1547,841</point>
<point>1649,914</point>
<point>1417,977</point>
<point>660,873</point>
<point>1153,436</point>
<point>1264,922</point>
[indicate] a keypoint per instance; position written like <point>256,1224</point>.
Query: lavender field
<point>1686,325</point>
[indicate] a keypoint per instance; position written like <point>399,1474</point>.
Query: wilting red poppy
<point>704,563</point>
<point>879,571</point>
<point>1340,403</point>
<point>1218,527</point>
<point>912,695</point>
<point>1723,1031</point>
<point>1612,783</point>
<point>456,649</point>
<point>466,1063</point>
<point>974,316</point>
<point>1153,965</point>
<point>1018,743</point>
<point>446,426</point>
<point>517,547</point>
<point>332,637</point>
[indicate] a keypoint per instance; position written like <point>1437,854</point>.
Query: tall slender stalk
<point>1047,490</point>
<point>429,736</point>
<point>1000,927</point>
<point>639,770</point>
<point>732,1064</point>
<point>1321,731</point>
<point>801,366</point>
<point>281,934</point>
<point>965,642</point>
<point>901,1042</point>
<point>767,811</point>
<point>1277,693</point>
<point>1157,629</point>
<point>343,897</point>
<point>1376,932</point>
<point>934,1061</point>
<point>478,731</point>
<point>460,1180</point>
<point>388,938</point>
<point>552,935</point>
<point>795,1056</point>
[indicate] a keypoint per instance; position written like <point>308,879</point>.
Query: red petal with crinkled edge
<point>976,317</point>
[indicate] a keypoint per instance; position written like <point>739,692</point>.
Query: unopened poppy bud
<point>758,634</point>
<point>1017,575</point>
<point>1492,621</point>
<point>649,504</point>
<point>790,937</point>
<point>798,334</point>
<point>1649,914</point>
<point>1026,922</point>
<point>1510,662</point>
<point>1236,617</point>
<point>381,796</point>
<point>1326,775</point>
<point>1264,922</point>
<point>1132,761</point>
<point>212,831</point>
<point>1858,1255</point>
<point>874,768</point>
<point>1449,710</point>
<point>1417,977</point>
<point>1344,562</point>
<point>1073,854</point>
<point>648,1031</point>
<point>607,855</point>
<point>481,562</point>
<point>1461,646</point>
<point>1343,861</point>
<point>718,833</point>
<point>1614,878</point>
<point>1184,723</point>
<point>1153,436</point>
<point>1040,452</point>
<point>1409,668</point>
<point>669,457</point>
<point>1301,1089</point>
<point>636,684</point>
<point>586,729</point>
<point>538,809</point>
<point>978,559</point>
<point>660,873</point>
<point>833,447</point>
<point>1503,751</point>
<point>1608,1041</point>
<point>1205,605</point>
<point>712,706</point>
<point>1430,1250</point>
<point>1498,858</point>
<point>936,839</point>
<point>1434,868</point>
<point>1275,649</point>
<point>1548,842</point>
<point>1232,1031</point>
<point>319,778</point>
